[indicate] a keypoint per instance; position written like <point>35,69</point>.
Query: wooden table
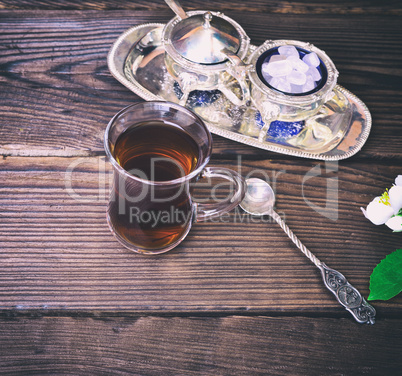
<point>234,298</point>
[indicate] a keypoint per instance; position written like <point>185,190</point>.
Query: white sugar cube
<point>309,85</point>
<point>298,64</point>
<point>314,73</point>
<point>277,68</point>
<point>296,89</point>
<point>264,68</point>
<point>264,72</point>
<point>267,77</point>
<point>311,59</point>
<point>296,78</point>
<point>288,50</point>
<point>274,58</point>
<point>284,85</point>
<point>275,81</point>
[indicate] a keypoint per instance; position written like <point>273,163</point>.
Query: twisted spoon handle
<point>336,282</point>
<point>295,239</point>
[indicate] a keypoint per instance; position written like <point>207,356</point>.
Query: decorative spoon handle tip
<point>348,295</point>
<point>335,281</point>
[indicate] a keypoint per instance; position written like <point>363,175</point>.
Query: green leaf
<point>386,279</point>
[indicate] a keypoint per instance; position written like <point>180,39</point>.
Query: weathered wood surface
<point>230,345</point>
<point>58,253</point>
<point>253,6</point>
<point>58,95</point>
<point>237,297</point>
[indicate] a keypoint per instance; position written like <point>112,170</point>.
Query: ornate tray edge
<point>135,87</point>
<point>147,95</point>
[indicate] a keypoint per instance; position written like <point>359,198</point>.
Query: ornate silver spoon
<point>260,200</point>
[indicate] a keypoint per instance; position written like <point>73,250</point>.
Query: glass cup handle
<point>206,211</point>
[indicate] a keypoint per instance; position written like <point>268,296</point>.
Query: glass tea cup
<point>158,150</point>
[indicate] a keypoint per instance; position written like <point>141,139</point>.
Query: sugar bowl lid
<point>202,37</point>
<point>202,40</point>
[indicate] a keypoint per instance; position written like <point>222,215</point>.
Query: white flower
<point>378,212</point>
<point>385,209</point>
<point>395,223</point>
<point>395,197</point>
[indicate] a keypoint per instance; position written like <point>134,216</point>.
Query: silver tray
<point>136,60</point>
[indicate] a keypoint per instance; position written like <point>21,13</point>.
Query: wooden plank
<point>257,6</point>
<point>57,94</point>
<point>58,253</point>
<point>230,345</point>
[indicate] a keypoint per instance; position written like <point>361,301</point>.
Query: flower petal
<point>398,180</point>
<point>395,198</point>
<point>395,223</point>
<point>377,212</point>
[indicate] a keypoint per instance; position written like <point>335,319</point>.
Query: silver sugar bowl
<point>205,51</point>
<point>276,102</point>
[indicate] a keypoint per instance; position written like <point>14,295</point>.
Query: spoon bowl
<point>259,198</point>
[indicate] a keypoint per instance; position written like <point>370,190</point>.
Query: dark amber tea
<point>156,151</point>
<point>151,216</point>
